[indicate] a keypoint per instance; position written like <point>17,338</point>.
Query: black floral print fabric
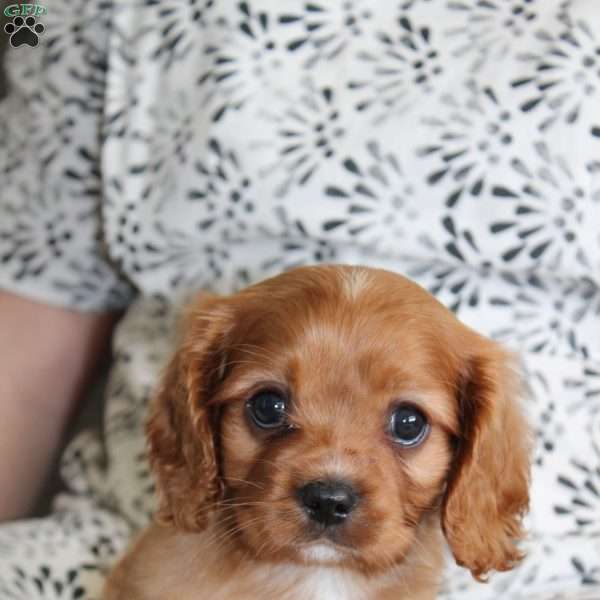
<point>148,149</point>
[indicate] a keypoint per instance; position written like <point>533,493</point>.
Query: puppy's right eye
<point>267,409</point>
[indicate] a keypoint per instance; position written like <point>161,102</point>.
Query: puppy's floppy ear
<point>488,490</point>
<point>182,429</point>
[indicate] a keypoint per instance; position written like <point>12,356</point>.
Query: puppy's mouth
<point>330,536</point>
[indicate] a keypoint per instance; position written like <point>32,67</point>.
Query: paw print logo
<point>24,31</point>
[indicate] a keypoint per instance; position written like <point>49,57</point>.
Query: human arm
<point>49,355</point>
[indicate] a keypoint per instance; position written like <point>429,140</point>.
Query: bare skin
<point>49,355</point>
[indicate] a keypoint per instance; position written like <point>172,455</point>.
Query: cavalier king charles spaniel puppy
<point>323,435</point>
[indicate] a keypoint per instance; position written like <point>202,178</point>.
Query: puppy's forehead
<point>328,307</point>
<point>347,332</point>
<point>374,366</point>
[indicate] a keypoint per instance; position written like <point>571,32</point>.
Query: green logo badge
<point>25,28</point>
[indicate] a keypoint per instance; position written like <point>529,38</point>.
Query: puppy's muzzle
<point>327,503</point>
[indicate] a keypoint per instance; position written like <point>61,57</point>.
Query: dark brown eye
<point>408,425</point>
<point>268,409</point>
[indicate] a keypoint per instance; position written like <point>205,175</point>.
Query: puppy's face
<point>343,406</point>
<point>337,425</point>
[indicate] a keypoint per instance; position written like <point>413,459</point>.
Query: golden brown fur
<point>346,345</point>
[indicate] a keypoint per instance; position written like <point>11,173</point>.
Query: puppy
<point>318,435</point>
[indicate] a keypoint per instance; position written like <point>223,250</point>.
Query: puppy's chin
<point>322,553</point>
<point>367,561</point>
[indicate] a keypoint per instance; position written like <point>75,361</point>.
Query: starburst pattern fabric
<point>151,148</point>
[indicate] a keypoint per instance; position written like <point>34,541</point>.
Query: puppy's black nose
<point>327,502</point>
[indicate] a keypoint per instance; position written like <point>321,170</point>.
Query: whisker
<point>253,483</point>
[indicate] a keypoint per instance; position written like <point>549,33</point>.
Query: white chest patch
<point>326,583</point>
<point>332,585</point>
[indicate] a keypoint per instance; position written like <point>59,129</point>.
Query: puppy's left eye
<point>408,425</point>
<point>268,409</point>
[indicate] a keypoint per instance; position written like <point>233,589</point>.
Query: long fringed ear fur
<point>182,430</point>
<point>488,490</point>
